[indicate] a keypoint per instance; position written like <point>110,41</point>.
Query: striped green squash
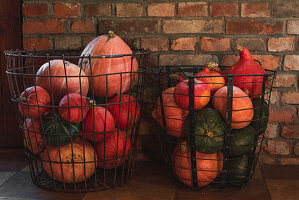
<point>56,131</point>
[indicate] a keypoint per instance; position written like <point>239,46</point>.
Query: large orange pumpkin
<point>77,162</point>
<point>38,101</point>
<point>242,108</point>
<point>208,166</point>
<point>32,137</point>
<point>69,79</point>
<point>174,115</point>
<point>100,67</point>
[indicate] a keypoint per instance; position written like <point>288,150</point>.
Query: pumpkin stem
<point>209,134</point>
<point>23,99</point>
<point>92,102</point>
<point>184,147</point>
<point>174,76</point>
<point>211,65</point>
<point>238,47</point>
<point>111,34</point>
<point>246,91</point>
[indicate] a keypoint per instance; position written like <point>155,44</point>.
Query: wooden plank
<point>11,38</point>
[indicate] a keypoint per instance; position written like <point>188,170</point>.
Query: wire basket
<point>206,137</point>
<point>80,125</point>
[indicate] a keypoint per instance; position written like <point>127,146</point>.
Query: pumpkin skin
<point>56,131</point>
<point>237,170</point>
<point>38,100</point>
<point>208,166</point>
<point>117,147</point>
<point>108,45</point>
<point>73,108</point>
<point>69,154</point>
<point>242,108</point>
<point>94,124</point>
<point>33,140</point>
<point>173,114</point>
<point>242,141</point>
<point>60,86</point>
<point>201,94</point>
<point>209,131</point>
<point>215,81</point>
<point>125,114</point>
<point>256,117</point>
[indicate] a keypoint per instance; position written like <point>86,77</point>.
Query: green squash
<point>209,130</point>
<point>56,131</point>
<point>237,170</point>
<point>242,141</point>
<point>256,117</point>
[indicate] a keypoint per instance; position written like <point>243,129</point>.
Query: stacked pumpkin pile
<point>64,126</point>
<point>210,120</point>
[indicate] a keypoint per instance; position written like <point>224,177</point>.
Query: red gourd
<point>38,101</point>
<point>201,94</point>
<point>71,163</point>
<point>98,123</point>
<point>46,77</point>
<point>173,114</point>
<point>214,79</point>
<point>242,108</point>
<point>247,66</point>
<point>125,110</point>
<point>209,166</point>
<point>114,151</point>
<point>98,67</point>
<point>73,107</point>
<point>32,137</point>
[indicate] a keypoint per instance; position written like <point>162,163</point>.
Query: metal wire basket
<point>191,150</point>
<point>76,138</point>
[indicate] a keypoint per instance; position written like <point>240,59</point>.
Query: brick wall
<point>189,32</point>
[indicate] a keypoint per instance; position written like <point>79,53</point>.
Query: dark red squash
<point>114,151</point>
<point>209,166</point>
<point>74,107</point>
<point>38,101</point>
<point>33,140</point>
<point>100,67</point>
<point>98,123</point>
<point>60,78</point>
<point>125,110</point>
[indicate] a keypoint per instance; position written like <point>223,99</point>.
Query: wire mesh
<point>80,126</point>
<point>210,138</point>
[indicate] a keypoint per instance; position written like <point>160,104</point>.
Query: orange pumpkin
<point>214,79</point>
<point>208,166</point>
<point>242,107</point>
<point>104,82</point>
<point>38,101</point>
<point>77,163</point>
<point>174,115</point>
<point>57,87</point>
<point>32,137</point>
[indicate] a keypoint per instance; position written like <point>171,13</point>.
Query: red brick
<point>254,27</point>
<point>132,42</point>
<point>282,115</point>
<point>67,42</point>
<point>82,26</point>
<point>278,147</point>
<point>186,9</point>
<point>271,131</point>
<point>252,44</point>
<point>257,9</point>
<point>290,131</point>
<point>291,62</point>
<point>284,80</point>
<point>37,43</point>
<point>215,44</point>
<point>192,26</point>
<point>266,158</point>
<point>184,44</point>
<point>67,10</point>
<point>180,59</point>
<point>293,27</point>
<point>135,26</point>
<point>285,9</point>
<point>43,26</point>
<point>155,44</point>
<point>224,9</point>
<point>161,10</point>
<point>88,39</point>
<point>98,10</point>
<point>229,60</point>
<point>128,10</point>
<point>35,10</point>
<point>274,97</point>
<point>289,161</point>
<point>296,149</point>
<point>290,98</point>
<point>281,44</point>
